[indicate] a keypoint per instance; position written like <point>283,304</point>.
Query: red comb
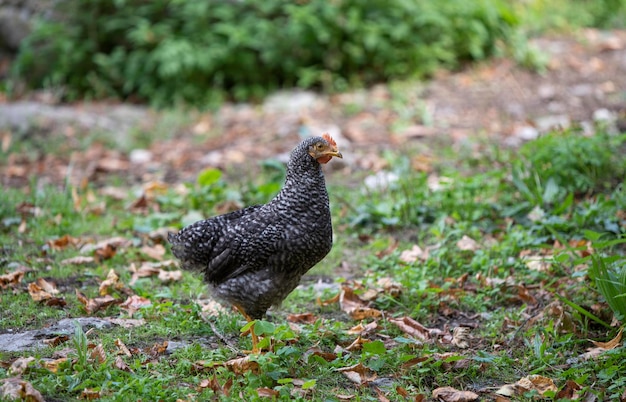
<point>330,140</point>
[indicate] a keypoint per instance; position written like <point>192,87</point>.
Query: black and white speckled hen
<point>254,257</point>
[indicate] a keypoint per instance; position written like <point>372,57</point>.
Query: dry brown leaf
<point>112,281</point>
<point>304,318</point>
<point>127,322</point>
<point>157,349</point>
<point>11,279</point>
<point>53,364</point>
<point>170,276</point>
<point>242,365</point>
<point>466,243</point>
<point>537,383</point>
<point>120,364</point>
<point>145,270</point>
<point>63,242</point>
<point>155,252</point>
<point>28,209</point>
<point>449,394</point>
<point>358,374</point>
<point>328,356</point>
<point>460,336</point>
<point>78,260</point>
<point>14,388</point>
<point>363,329</point>
<point>90,394</point>
<point>538,263</point>
<point>42,289</point>
<point>356,308</point>
<point>56,341</point>
<point>525,296</point>
<point>99,354</point>
<point>612,344</point>
<point>414,361</point>
<point>413,254</point>
<point>93,305</point>
<point>267,392</point>
<point>133,303</point>
<point>413,328</point>
<point>104,253</point>
<point>389,286</point>
<point>328,302</point>
<point>213,384</point>
<point>569,391</point>
<point>20,365</point>
<point>122,348</point>
<point>356,344</point>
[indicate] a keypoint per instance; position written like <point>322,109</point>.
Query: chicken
<point>254,257</point>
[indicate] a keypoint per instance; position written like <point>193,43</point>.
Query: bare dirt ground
<point>584,81</point>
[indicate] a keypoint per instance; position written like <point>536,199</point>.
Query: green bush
<point>196,52</point>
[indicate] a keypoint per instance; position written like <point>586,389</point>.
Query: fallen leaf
<point>20,365</point>
<point>93,305</point>
<point>157,349</point>
<point>413,254</point>
<point>449,394</point>
<point>12,279</point>
<point>267,392</point>
<point>170,276</point>
<point>53,364</point>
<point>358,374</point>
<point>155,252</point>
<point>98,353</point>
<point>356,308</point>
<point>122,348</point>
<point>78,260</point>
<point>56,341</point>
<point>612,344</point>
<point>363,329</point>
<point>63,242</point>
<point>120,364</point>
<point>111,282</point>
<point>538,263</point>
<point>42,290</point>
<point>328,356</point>
<point>466,243</point>
<point>213,384</point>
<point>242,365</point>
<point>90,393</point>
<point>127,322</point>
<point>537,383</point>
<point>304,318</point>
<point>356,344</point>
<point>460,336</point>
<point>525,296</point>
<point>413,328</point>
<point>14,388</point>
<point>569,391</point>
<point>133,303</point>
<point>328,302</point>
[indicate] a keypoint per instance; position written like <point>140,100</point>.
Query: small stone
<point>140,156</point>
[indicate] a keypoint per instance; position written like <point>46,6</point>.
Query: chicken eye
<point>319,146</point>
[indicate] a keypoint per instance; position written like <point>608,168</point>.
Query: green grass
<point>546,202</point>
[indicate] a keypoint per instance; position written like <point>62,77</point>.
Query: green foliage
<point>546,15</point>
<point>180,51</point>
<point>569,162</point>
<point>609,275</point>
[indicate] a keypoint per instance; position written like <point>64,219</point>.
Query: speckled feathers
<point>254,257</point>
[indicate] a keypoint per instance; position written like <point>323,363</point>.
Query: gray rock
<point>21,341</point>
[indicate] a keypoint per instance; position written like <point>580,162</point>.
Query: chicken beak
<point>336,153</point>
